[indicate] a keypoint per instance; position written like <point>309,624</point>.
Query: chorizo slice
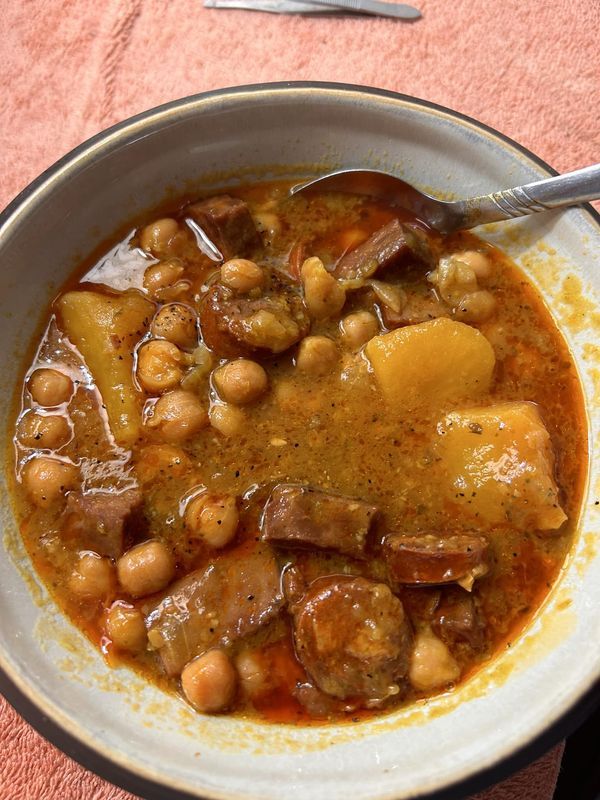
<point>235,326</point>
<point>214,606</point>
<point>228,224</point>
<point>431,559</point>
<point>306,517</point>
<point>383,249</point>
<point>353,638</point>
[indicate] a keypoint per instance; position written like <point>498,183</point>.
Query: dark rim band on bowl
<point>87,754</point>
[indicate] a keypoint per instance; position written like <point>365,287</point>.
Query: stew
<point>299,458</point>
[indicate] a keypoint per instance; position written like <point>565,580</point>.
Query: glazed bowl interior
<point>111,719</point>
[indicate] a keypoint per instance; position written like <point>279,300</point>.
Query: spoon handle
<point>563,190</point>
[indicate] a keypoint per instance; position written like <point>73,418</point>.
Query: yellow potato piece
<point>497,466</point>
<point>431,363</point>
<point>105,329</point>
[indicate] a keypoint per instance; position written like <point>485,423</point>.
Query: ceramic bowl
<point>151,743</point>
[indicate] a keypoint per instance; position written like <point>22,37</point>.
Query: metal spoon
<point>564,190</point>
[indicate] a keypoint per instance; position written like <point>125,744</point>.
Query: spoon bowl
<point>446,217</point>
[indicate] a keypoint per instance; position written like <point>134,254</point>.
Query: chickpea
<point>49,387</point>
<point>146,568</point>
<point>240,382</point>
<point>274,329</point>
<point>358,328</point>
<point>155,238</point>
<point>161,461</point>
<point>160,276</point>
<point>178,415</point>
<point>203,358</point>
<point>160,366</point>
<point>209,682</point>
<point>47,432</point>
<point>454,279</point>
<point>93,577</point>
<point>196,378</point>
<point>227,419</point>
<point>476,306</point>
<point>126,628</point>
<point>242,275</point>
<point>323,295</point>
<point>389,295</point>
<point>432,664</point>
<point>317,355</point>
<point>268,223</point>
<point>478,262</point>
<point>254,677</point>
<point>48,479</point>
<point>214,518</point>
<point>177,324</point>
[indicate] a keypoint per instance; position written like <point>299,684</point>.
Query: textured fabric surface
<point>69,68</point>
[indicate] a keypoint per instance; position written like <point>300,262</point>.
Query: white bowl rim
<point>24,698</point>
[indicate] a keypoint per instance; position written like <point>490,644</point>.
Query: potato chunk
<point>105,329</point>
<point>498,465</point>
<point>431,363</point>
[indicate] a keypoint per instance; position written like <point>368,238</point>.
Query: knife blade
<point>372,7</point>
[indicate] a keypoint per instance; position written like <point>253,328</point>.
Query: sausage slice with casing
<point>353,638</point>
<point>432,559</point>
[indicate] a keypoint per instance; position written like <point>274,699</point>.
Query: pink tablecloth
<point>69,68</point>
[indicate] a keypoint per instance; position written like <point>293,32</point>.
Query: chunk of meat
<point>432,559</point>
<point>228,224</point>
<point>239,326</point>
<point>302,516</point>
<point>227,600</point>
<point>457,619</point>
<point>99,520</point>
<point>419,308</point>
<point>498,466</point>
<point>353,638</point>
<point>383,249</point>
<point>320,705</point>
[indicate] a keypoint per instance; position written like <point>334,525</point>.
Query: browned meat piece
<point>231,598</point>
<point>320,705</point>
<point>420,603</point>
<point>228,223</point>
<point>98,521</point>
<point>238,326</point>
<point>353,638</point>
<point>433,559</point>
<point>456,619</point>
<point>419,308</point>
<point>383,249</point>
<point>301,516</point>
